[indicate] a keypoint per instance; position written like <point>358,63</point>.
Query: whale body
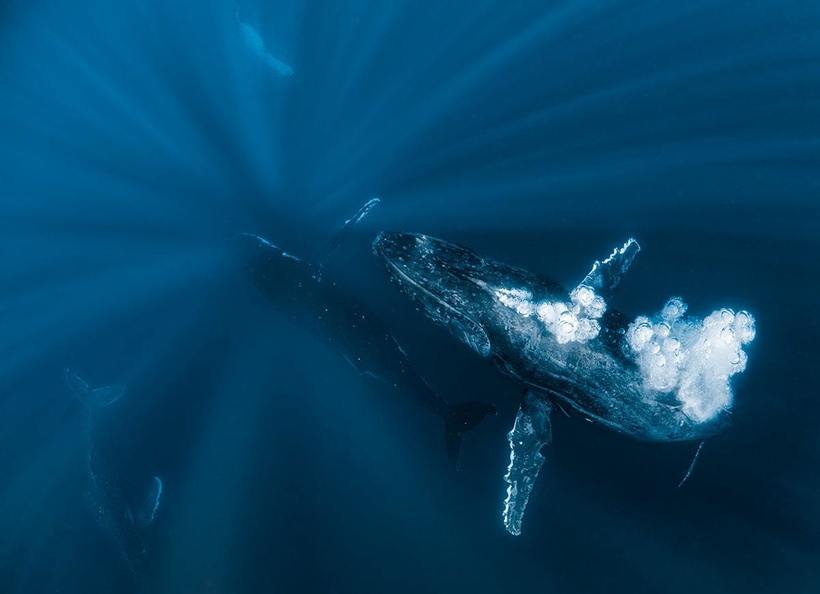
<point>123,522</point>
<point>302,289</point>
<point>572,351</point>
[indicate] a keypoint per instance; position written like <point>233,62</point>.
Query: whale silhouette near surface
<point>124,522</point>
<point>306,292</point>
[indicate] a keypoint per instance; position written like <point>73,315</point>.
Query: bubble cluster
<point>576,321</point>
<point>572,321</point>
<point>517,299</point>
<point>691,357</point>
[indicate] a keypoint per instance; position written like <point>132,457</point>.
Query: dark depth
<point>139,138</point>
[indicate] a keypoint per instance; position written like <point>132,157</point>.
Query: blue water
<point>138,138</point>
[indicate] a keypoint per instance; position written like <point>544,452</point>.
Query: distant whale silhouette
<point>254,43</point>
<point>123,524</point>
<point>662,380</point>
<point>301,289</point>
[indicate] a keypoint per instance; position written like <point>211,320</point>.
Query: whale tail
<point>90,397</point>
<point>460,418</point>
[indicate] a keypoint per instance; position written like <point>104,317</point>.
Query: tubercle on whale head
<point>437,275</point>
<point>396,247</point>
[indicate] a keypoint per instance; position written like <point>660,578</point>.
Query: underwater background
<point>138,139</point>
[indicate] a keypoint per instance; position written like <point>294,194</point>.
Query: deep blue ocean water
<point>139,138</point>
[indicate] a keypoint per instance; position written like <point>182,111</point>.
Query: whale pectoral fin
<point>531,432</point>
<point>107,395</point>
<point>148,510</point>
<point>341,235</point>
<point>606,275</point>
<point>691,465</point>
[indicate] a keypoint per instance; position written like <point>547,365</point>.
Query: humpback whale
<point>303,290</point>
<point>662,379</point>
<point>123,524</point>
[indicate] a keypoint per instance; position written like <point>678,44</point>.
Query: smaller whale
<point>254,43</point>
<point>301,289</point>
<point>123,524</point>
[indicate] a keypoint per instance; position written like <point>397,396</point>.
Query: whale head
<point>452,284</point>
<point>437,275</point>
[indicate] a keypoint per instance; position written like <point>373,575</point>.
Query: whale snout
<point>395,247</point>
<point>443,278</point>
<point>414,258</point>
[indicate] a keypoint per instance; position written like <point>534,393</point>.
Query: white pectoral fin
<point>148,511</point>
<point>691,467</point>
<point>531,432</point>
<point>342,234</point>
<point>606,275</point>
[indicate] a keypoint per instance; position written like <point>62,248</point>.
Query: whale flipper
<point>341,235</point>
<point>691,465</point>
<point>148,511</point>
<point>531,432</point>
<point>606,275</point>
<point>92,397</point>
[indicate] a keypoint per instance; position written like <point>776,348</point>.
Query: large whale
<point>309,296</point>
<point>663,380</point>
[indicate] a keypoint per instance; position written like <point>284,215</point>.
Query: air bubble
<point>674,309</point>
<point>690,357</point>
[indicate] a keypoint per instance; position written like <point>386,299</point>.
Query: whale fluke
<point>77,385</point>
<point>89,396</point>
